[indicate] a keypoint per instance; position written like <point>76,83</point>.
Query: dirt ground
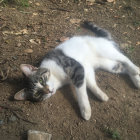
<point>27,33</point>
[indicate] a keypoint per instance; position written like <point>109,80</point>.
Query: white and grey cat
<point>75,61</point>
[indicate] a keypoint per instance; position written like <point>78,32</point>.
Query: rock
<point>1,122</point>
<point>38,135</point>
<point>12,118</point>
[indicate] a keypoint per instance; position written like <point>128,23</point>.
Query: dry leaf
<point>73,21</point>
<point>28,51</point>
<point>19,44</point>
<point>21,32</point>
<point>37,4</point>
<point>35,14</point>
<point>110,0</point>
<point>7,32</point>
<point>30,2</point>
<point>38,41</point>
<point>62,39</point>
<point>86,10</point>
<point>24,31</point>
<point>90,2</point>
<point>138,43</point>
<point>33,41</point>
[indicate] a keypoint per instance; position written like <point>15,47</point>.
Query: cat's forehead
<point>42,71</point>
<point>39,73</point>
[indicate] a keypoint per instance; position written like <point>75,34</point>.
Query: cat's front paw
<point>136,80</point>
<point>86,113</point>
<point>103,98</point>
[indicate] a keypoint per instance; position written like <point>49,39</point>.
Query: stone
<point>38,135</point>
<point>12,118</point>
<point>1,122</point>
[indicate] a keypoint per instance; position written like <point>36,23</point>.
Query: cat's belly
<point>82,51</point>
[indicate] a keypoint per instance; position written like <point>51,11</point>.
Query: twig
<point>25,12</point>
<point>109,85</point>
<point>23,118</point>
<point>60,9</point>
<point>10,108</point>
<point>13,111</point>
<point>113,88</point>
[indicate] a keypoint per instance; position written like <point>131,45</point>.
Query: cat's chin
<point>48,95</point>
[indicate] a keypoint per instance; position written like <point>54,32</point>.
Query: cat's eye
<point>37,94</point>
<point>41,81</point>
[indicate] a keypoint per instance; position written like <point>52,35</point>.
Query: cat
<point>75,61</point>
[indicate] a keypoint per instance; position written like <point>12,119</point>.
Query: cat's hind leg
<point>131,69</point>
<point>92,85</point>
<point>121,64</point>
<point>112,66</point>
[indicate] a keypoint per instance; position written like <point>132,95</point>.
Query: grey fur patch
<point>70,66</point>
<point>119,68</point>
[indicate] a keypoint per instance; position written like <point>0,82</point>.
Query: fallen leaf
<point>62,39</point>
<point>115,25</point>
<point>37,4</point>
<point>125,33</point>
<point>19,44</point>
<point>30,2</point>
<point>73,21</point>
<point>7,32</point>
<point>38,41</point>
<point>138,43</point>
<point>24,31</point>
<point>86,10</point>
<point>21,32</point>
<point>110,0</point>
<point>90,2</point>
<point>35,14</point>
<point>28,51</point>
<point>33,41</point>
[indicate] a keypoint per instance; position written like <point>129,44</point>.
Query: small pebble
<point>12,118</point>
<point>1,122</point>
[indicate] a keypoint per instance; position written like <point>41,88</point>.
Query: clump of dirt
<point>27,33</point>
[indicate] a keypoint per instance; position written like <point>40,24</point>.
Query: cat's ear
<point>21,95</point>
<point>28,69</point>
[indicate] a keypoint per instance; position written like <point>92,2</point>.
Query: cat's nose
<point>46,89</point>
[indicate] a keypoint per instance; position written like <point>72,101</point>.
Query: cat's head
<point>37,89</point>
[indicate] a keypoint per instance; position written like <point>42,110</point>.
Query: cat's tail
<point>97,30</point>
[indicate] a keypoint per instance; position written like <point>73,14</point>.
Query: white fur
<point>91,53</point>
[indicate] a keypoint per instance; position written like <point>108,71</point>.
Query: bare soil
<point>39,28</point>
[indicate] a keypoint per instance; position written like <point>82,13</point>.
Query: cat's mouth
<point>47,90</point>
